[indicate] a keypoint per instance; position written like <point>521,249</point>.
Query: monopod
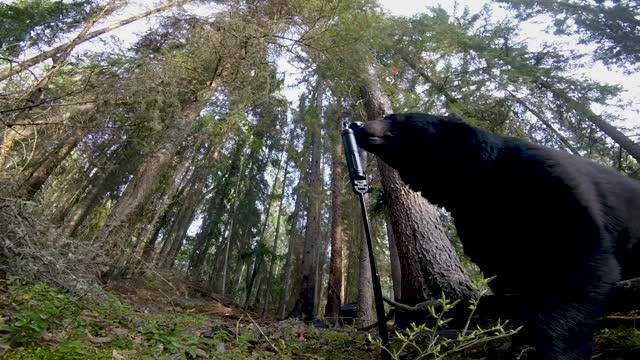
<point>361,187</point>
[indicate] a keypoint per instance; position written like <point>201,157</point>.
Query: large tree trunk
<point>334,288</point>
<point>17,68</point>
<point>175,238</point>
<point>428,262</point>
<point>312,234</point>
<point>144,181</point>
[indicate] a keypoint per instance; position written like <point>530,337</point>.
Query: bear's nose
<point>356,125</point>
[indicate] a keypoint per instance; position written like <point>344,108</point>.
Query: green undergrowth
<point>619,344</point>
<point>41,322</point>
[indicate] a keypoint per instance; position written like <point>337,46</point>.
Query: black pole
<point>361,187</point>
<point>375,278</point>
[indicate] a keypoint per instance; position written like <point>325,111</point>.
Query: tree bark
<point>294,239</point>
<point>175,238</point>
<point>334,288</point>
<point>14,69</point>
<point>232,224</point>
<point>428,262</point>
<point>276,237</point>
<point>144,181</point>
<point>365,284</point>
<point>147,243</point>
<point>259,257</point>
<point>312,234</point>
<point>105,178</point>
<point>210,230</point>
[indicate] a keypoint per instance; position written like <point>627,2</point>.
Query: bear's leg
<point>561,323</point>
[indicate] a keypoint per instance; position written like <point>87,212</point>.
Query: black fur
<point>556,229</point>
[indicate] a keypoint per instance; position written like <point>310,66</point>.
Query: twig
<point>238,327</point>
<point>261,332</point>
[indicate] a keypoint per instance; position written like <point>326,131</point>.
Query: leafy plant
<point>423,341</point>
<point>39,309</point>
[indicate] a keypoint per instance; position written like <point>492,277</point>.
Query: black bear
<point>557,230</point>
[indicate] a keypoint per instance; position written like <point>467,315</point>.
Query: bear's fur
<point>556,229</point>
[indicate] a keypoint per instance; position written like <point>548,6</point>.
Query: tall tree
<point>306,282</point>
<point>334,288</point>
<point>428,261</point>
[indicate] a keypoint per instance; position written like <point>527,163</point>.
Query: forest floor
<point>155,322</point>
<point>150,320</point>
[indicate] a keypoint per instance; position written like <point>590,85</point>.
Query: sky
<point>534,37</point>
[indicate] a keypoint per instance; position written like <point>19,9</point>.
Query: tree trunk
<point>396,272</point>
<point>365,284</point>
<point>294,238</point>
<point>40,174</point>
<point>105,178</point>
<point>334,288</point>
<point>232,224</point>
<point>14,69</point>
<point>144,181</point>
<point>428,262</point>
<point>17,132</point>
<point>175,238</point>
<point>210,230</point>
<point>147,243</point>
<point>312,233</point>
<point>263,230</point>
<point>276,237</point>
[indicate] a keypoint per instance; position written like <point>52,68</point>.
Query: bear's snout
<point>371,132</point>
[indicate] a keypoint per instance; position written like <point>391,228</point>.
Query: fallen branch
<point>261,332</point>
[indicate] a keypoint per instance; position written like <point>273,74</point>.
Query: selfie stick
<point>361,187</point>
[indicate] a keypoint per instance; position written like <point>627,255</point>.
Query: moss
<point>621,343</point>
